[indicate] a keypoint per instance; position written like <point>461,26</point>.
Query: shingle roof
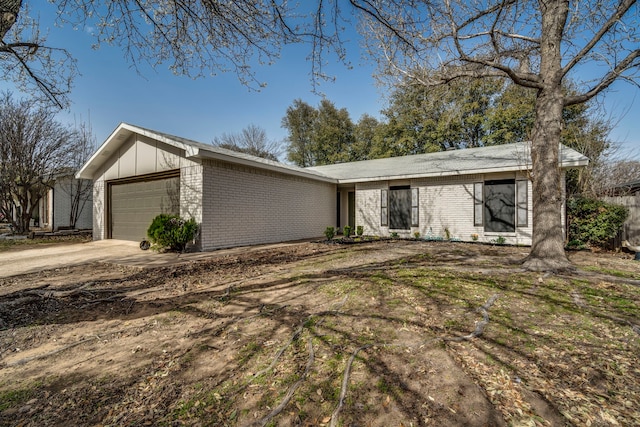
<point>498,158</point>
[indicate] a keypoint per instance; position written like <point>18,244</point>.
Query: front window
<point>400,208</point>
<point>499,206</point>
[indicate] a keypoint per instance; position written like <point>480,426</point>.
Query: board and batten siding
<point>140,155</point>
<point>445,203</point>
<point>247,206</point>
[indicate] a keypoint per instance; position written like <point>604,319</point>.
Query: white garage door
<point>133,205</point>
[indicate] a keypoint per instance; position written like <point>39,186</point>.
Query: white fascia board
<point>117,137</point>
<point>432,175</point>
<point>574,164</point>
<point>190,151</point>
<point>519,168</point>
<point>206,154</point>
<point>106,149</point>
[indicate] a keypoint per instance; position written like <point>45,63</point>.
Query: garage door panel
<point>135,204</point>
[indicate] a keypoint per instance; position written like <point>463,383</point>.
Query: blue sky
<point>110,91</point>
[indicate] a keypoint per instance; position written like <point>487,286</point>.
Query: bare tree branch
<point>607,80</point>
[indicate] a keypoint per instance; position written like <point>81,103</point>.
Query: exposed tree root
<point>287,398</point>
<point>548,264</point>
<point>479,330</point>
<point>61,349</point>
<point>295,336</point>
<point>345,384</point>
<point>484,310</point>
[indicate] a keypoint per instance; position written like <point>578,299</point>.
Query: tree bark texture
<point>8,15</point>
<point>547,249</point>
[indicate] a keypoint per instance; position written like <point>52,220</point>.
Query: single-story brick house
<point>240,199</point>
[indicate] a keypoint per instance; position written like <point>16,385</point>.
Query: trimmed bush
<point>329,232</point>
<point>346,230</point>
<point>360,230</point>
<point>593,222</point>
<point>170,232</point>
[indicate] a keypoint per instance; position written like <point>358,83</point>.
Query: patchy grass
<point>23,244</point>
<point>613,272</point>
<point>16,397</point>
<point>400,317</point>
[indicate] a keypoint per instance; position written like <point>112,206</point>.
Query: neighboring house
<point>67,200</point>
<point>240,199</point>
<point>66,205</point>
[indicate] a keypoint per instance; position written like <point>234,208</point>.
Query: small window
<point>384,208</point>
<point>522,211</point>
<point>415,211</point>
<point>477,204</point>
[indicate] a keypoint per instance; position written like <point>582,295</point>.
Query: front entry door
<point>352,209</point>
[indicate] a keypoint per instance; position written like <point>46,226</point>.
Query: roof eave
<point>90,167</point>
<point>518,168</point>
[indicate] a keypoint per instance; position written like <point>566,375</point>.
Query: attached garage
<point>236,199</point>
<point>133,203</point>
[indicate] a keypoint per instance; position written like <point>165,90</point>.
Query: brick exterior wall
<point>191,186</point>
<point>247,206</point>
<point>444,204</point>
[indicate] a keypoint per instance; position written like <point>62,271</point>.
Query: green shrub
<point>359,230</point>
<point>416,235</point>
<point>346,231</point>
<point>593,222</point>
<point>329,232</point>
<point>170,232</point>
<point>500,240</point>
<point>576,244</point>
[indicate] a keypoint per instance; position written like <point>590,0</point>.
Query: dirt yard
<point>395,333</point>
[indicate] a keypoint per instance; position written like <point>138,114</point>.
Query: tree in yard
<point>34,148</point>
<point>251,140</point>
<point>538,45</point>
<point>299,120</point>
<point>27,60</point>
<point>472,113</point>
<point>318,136</point>
<point>333,134</point>
<point>364,137</point>
<point>423,119</point>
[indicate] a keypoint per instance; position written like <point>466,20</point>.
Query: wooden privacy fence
<point>631,228</point>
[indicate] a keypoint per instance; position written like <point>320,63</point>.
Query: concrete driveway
<point>114,251</point>
<point>120,252</point>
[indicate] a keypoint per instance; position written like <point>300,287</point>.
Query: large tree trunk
<point>547,249</point>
